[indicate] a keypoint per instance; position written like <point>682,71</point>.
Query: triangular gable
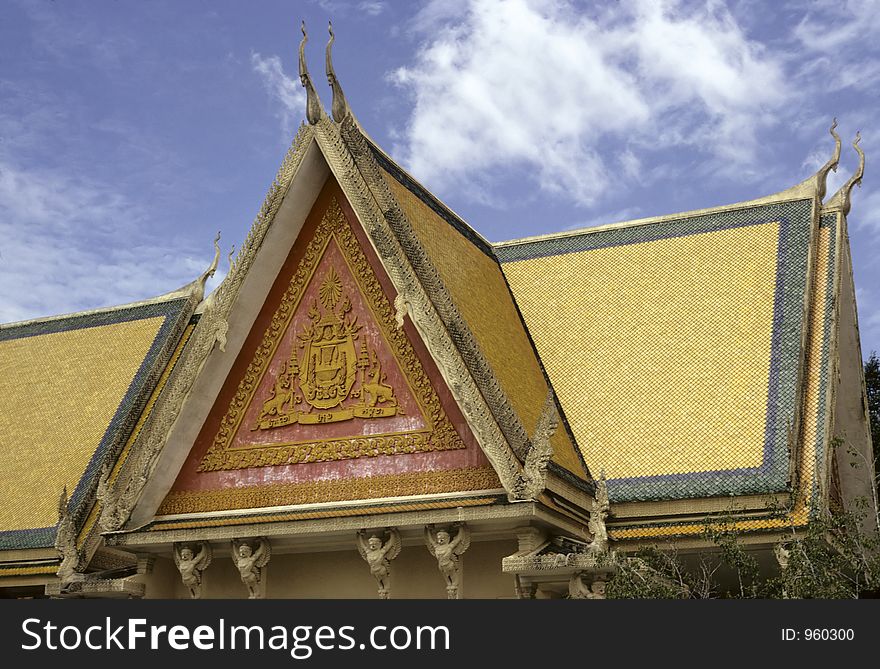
<point>470,392</point>
<point>333,376</point>
<point>329,399</point>
<point>472,274</point>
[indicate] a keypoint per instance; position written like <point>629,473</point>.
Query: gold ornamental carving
<point>333,490</point>
<point>331,375</point>
<point>311,387</point>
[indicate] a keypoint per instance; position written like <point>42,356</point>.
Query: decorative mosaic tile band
<point>406,181</point>
<point>819,361</point>
<point>329,490</point>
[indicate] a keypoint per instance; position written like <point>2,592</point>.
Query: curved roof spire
<point>198,286</point>
<point>339,106</point>
<point>841,199</point>
<point>313,104</point>
<point>832,162</point>
<point>213,267</point>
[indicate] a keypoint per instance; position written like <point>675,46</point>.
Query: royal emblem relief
<point>331,375</point>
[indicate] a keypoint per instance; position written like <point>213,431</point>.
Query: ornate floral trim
<point>330,490</point>
<point>440,435</point>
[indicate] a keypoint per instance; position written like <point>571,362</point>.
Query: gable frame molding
<point>122,488</point>
<point>413,299</point>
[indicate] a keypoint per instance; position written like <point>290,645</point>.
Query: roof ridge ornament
<point>313,103</point>
<point>533,478</point>
<point>208,273</point>
<point>841,198</point>
<point>856,178</point>
<point>832,163</point>
<point>65,541</point>
<point>339,106</point>
<point>197,287</point>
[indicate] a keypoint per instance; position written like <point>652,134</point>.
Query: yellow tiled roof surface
<point>58,395</point>
<point>478,287</point>
<point>812,457</point>
<point>640,340</point>
<point>674,346</point>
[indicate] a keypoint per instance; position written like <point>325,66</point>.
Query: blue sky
<point>130,132</point>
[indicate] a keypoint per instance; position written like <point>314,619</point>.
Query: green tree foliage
<point>831,558</point>
<point>872,385</point>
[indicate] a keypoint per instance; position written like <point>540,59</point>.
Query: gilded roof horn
<point>841,198</point>
<point>339,106</point>
<point>856,178</point>
<point>832,162</point>
<point>208,273</point>
<point>313,104</point>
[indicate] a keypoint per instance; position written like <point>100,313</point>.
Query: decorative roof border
<point>263,516</point>
<point>176,313</point>
<point>360,490</point>
<point>444,212</point>
<point>831,222</point>
<point>809,492</point>
<point>810,188</point>
<point>121,496</point>
<point>422,296</point>
<point>87,319</point>
<point>793,257</point>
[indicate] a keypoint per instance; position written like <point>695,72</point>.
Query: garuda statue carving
<point>191,564</point>
<point>448,552</point>
<point>251,565</point>
<point>379,554</point>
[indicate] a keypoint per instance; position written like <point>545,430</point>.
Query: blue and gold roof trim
<point>72,389</point>
<point>463,260</point>
<point>675,344</point>
<point>813,459</point>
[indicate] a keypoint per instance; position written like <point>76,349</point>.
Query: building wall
<point>344,575</point>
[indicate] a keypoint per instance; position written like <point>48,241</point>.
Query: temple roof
<point>689,357</point>
<point>471,272</point>
<point>71,390</point>
<point>811,449</point>
<point>662,337</point>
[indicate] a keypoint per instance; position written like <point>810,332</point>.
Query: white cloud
<point>372,7</point>
<point>69,244</point>
<point>535,85</point>
<point>343,8</point>
<point>284,91</point>
<point>609,217</point>
<point>630,164</point>
<point>837,43</point>
<point>702,58</point>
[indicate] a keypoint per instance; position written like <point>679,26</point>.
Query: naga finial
<point>313,104</point>
<point>856,178</point>
<point>832,162</point>
<point>208,273</point>
<point>339,105</point>
<point>62,504</point>
<point>841,198</point>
